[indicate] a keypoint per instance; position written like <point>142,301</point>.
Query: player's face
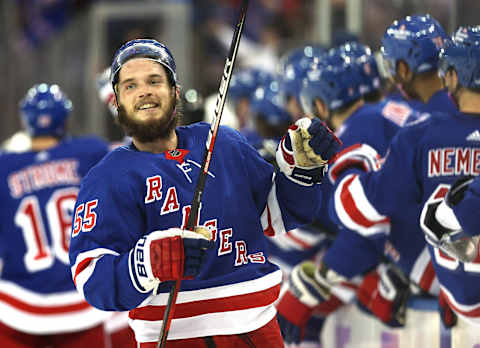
<point>146,99</point>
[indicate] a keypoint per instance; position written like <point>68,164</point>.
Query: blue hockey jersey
<point>132,193</point>
<point>424,159</point>
<point>350,245</point>
<point>38,191</point>
<point>375,125</point>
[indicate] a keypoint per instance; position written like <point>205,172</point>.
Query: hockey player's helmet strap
<point>462,53</point>
<point>44,110</point>
<point>147,48</point>
<point>417,40</point>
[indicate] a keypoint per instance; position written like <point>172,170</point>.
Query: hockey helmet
<point>462,53</point>
<point>145,48</point>
<point>417,40</point>
<point>44,110</point>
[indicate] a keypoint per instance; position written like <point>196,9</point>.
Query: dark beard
<point>147,132</point>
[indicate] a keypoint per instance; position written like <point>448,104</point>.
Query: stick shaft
<point>197,196</point>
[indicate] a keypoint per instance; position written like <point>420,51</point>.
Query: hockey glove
<point>448,316</point>
<point>301,295</point>
<point>168,255</point>
<point>303,153</point>
<point>360,156</point>
<point>457,191</point>
<point>441,227</point>
<point>384,293</point>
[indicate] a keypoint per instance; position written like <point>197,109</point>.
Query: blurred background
<point>70,42</point>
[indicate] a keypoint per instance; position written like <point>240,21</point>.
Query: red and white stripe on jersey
<point>271,219</point>
<point>423,273</point>
<point>220,310</point>
<point>358,155</point>
<point>355,211</point>
<point>297,239</point>
<point>85,265</point>
<point>470,313</point>
<point>34,313</point>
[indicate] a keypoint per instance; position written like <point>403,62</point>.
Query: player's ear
<point>114,101</point>
<point>454,77</point>
<point>321,109</point>
<point>403,71</point>
<point>176,90</point>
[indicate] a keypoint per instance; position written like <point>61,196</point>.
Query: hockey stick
<point>197,196</point>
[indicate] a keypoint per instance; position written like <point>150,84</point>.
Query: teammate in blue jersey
<point>413,56</point>
<point>270,119</point>
<point>39,305</point>
<point>335,89</point>
<point>410,48</point>
<point>128,241</point>
<point>451,225</point>
<point>423,160</point>
<point>242,87</point>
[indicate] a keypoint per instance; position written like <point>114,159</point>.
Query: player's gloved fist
<point>441,227</point>
<point>302,293</point>
<point>305,150</point>
<point>168,255</point>
<point>457,191</point>
<point>360,156</point>
<point>384,293</point>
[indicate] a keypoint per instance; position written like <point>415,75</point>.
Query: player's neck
<point>43,143</point>
<point>427,85</point>
<point>339,117</point>
<point>159,145</point>
<point>469,102</point>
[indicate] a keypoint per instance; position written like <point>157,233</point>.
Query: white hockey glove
<point>168,255</point>
<point>307,287</point>
<point>303,153</point>
<point>360,156</point>
<point>441,227</point>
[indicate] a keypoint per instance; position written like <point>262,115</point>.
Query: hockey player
<point>333,89</point>
<point>292,68</point>
<point>269,117</point>
<point>242,87</point>
<point>431,154</point>
<point>410,48</point>
<point>39,305</point>
<point>413,52</point>
<point>127,238</point>
<point>455,254</point>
